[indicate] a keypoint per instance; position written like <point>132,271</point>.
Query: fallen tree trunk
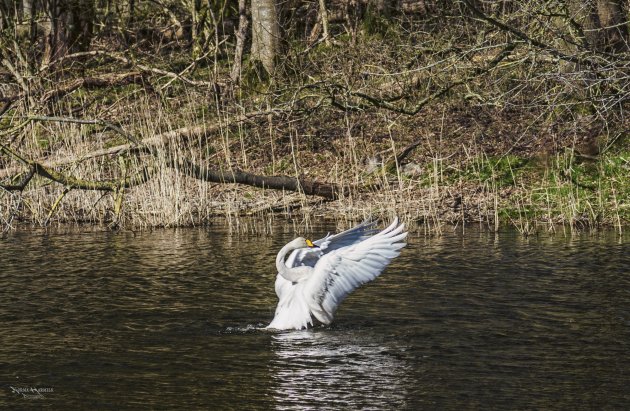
<point>306,186</point>
<point>311,187</point>
<point>48,169</point>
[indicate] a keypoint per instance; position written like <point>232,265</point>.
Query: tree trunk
<point>27,9</point>
<point>323,15</point>
<point>7,13</point>
<point>72,23</point>
<point>196,28</point>
<point>265,33</point>
<point>612,18</point>
<point>383,8</point>
<point>241,36</point>
<point>132,11</point>
<point>29,13</point>
<point>603,24</point>
<point>592,26</point>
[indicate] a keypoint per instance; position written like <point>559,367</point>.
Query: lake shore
<point>440,181</point>
<point>493,134</point>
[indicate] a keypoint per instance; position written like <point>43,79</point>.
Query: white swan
<point>319,275</point>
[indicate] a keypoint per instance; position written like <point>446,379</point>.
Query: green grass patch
<point>595,190</point>
<point>503,171</point>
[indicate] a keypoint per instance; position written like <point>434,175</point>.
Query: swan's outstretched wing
<point>341,271</point>
<point>310,256</point>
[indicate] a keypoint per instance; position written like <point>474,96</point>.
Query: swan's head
<point>302,242</point>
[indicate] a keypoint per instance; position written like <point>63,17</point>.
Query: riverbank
<point>452,172</point>
<point>498,138</point>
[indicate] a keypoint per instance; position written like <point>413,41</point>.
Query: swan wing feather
<point>342,270</point>
<point>331,242</point>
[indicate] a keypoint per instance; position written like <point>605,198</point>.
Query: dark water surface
<point>168,320</point>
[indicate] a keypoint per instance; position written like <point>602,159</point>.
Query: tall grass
<point>496,192</point>
<point>456,181</point>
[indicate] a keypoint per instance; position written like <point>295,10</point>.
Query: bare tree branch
<point>142,67</point>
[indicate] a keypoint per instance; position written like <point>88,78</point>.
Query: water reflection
<point>329,369</point>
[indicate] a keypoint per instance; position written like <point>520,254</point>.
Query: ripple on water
<point>174,318</point>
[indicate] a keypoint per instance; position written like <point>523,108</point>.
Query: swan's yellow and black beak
<point>310,244</point>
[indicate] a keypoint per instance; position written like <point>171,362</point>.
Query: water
<point>169,320</point>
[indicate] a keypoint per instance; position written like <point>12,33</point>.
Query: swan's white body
<point>318,276</point>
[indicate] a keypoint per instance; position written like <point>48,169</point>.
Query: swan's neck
<point>293,274</point>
